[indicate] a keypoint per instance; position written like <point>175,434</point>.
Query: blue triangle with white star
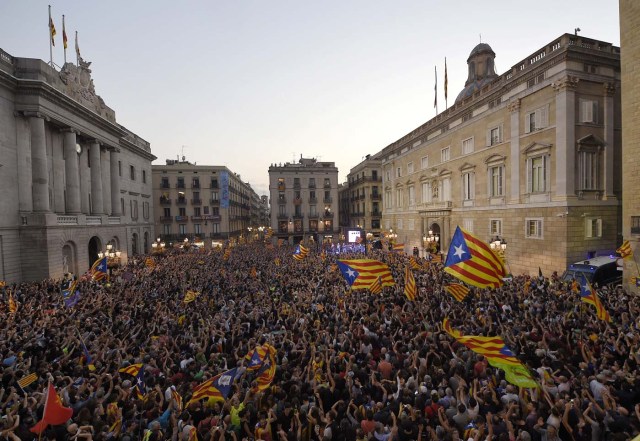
<point>458,250</point>
<point>348,272</point>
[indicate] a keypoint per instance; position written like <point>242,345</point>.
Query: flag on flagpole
<point>409,284</point>
<point>177,398</point>
<point>376,286</point>
<point>87,356</point>
<point>54,412</point>
<point>77,47</point>
<point>64,34</point>
<point>458,291</point>
<point>625,250</point>
<point>472,261</point>
<point>590,296</point>
<point>52,29</point>
<point>446,80</point>
<point>132,369</point>
<point>361,273</point>
<point>435,101</point>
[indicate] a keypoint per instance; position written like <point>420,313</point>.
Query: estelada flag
<point>54,412</point>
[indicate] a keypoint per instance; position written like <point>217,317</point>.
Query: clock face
<point>78,148</point>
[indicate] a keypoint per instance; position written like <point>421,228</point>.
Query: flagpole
<point>435,102</point>
<point>446,81</point>
<point>50,40</point>
<point>64,42</point>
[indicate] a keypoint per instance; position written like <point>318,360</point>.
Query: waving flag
<point>457,291</point>
<point>216,388</point>
<point>301,252</point>
<point>27,380</point>
<point>190,296</point>
<point>409,284</point>
<point>99,269</point>
<point>589,295</point>
<point>71,295</point>
<point>132,369</point>
<point>625,250</point>
<point>52,29</point>
<point>256,358</point>
<point>54,412</point>
<point>398,248</point>
<point>267,372</point>
<point>472,261</point>
<point>141,387</point>
<point>177,398</point>
<point>361,273</point>
<point>227,253</point>
<point>414,263</point>
<point>13,306</point>
<point>87,356</point>
<point>376,286</point>
<point>64,34</point>
<point>497,354</point>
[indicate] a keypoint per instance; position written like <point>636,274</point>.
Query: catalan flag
<point>227,254</point>
<point>13,306</point>
<point>64,34</point>
<point>193,434</point>
<point>149,262</point>
<point>398,247</point>
<point>140,387</point>
<point>177,398</point>
<point>256,358</point>
<point>414,263</point>
<point>276,261</point>
<point>77,47</point>
<point>590,296</point>
<point>216,388</point>
<point>267,372</point>
<point>435,258</point>
<point>457,291</point>
<point>301,252</point>
<point>268,234</point>
<point>625,250</point>
<point>497,354</point>
<point>190,296</point>
<point>71,295</point>
<point>52,29</point>
<point>132,369</point>
<point>472,261</point>
<point>87,356</point>
<point>115,428</point>
<point>410,289</point>
<point>27,380</point>
<point>99,269</point>
<point>376,286</point>
<point>361,273</point>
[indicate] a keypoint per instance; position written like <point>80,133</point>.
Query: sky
<point>248,83</point>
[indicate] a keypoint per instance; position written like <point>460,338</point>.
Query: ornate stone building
<point>74,179</point>
<point>532,156</point>
<point>304,200</point>
<point>630,47</point>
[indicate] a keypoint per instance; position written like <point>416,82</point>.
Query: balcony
<point>327,185</point>
<point>296,185</point>
<point>358,214</point>
<point>165,201</point>
<point>164,185</point>
<point>376,213</point>
<point>328,200</point>
<point>375,197</point>
<point>283,216</point>
<point>195,185</point>
<point>282,200</point>
<point>298,216</point>
<point>215,201</point>
<point>166,218</point>
<point>180,185</point>
<point>435,205</point>
<point>214,185</point>
<point>313,216</point>
<point>196,201</point>
<point>182,218</point>
<point>313,200</point>
<point>211,217</point>
<point>181,201</point>
<point>196,218</point>
<point>328,215</point>
<point>297,201</point>
<point>367,179</point>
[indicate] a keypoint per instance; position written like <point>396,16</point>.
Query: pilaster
<point>71,172</point>
<point>39,166</point>
<point>609,139</point>
<point>97,203</point>
<point>514,190</point>
<point>565,152</point>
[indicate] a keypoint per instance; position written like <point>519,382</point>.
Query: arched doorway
<point>69,264</point>
<point>134,244</point>
<point>145,242</point>
<point>95,246</point>
<point>435,229</point>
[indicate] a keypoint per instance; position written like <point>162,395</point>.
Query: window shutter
<point>473,185</point>
<point>594,112</point>
<point>500,133</point>
<point>546,163</point>
<point>488,137</point>
<point>544,116</point>
<point>538,119</point>
<point>527,123</point>
<point>589,225</point>
<point>501,181</point>
<point>528,175</point>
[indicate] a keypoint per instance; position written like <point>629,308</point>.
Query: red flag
<point>54,412</point>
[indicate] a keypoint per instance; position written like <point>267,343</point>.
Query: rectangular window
<point>195,183</point>
<point>296,182</point>
<point>312,182</point>
<point>196,211</point>
<point>588,170</point>
<point>182,211</point>
<point>593,227</point>
<point>214,196</point>
<point>215,211</point>
<point>495,227</point>
<point>588,111</point>
<point>327,183</point>
<point>182,229</point>
<point>412,195</point>
<point>426,192</point>
<point>145,210</point>
<point>180,183</point>
<point>374,175</point>
<point>533,228</point>
<point>467,146</point>
<point>164,183</point>
<point>467,186</point>
<point>410,168</point>
<point>398,197</point>
<point>387,199</point>
<point>119,168</point>
<point>216,228</point>
<point>167,212</point>
<point>388,175</point>
<point>538,174</point>
<point>536,120</point>
<point>197,229</point>
<point>467,224</point>
<point>214,183</point>
<point>446,189</point>
<point>144,176</point>
<point>132,172</point>
<point>494,135</point>
<point>424,162</point>
<point>166,229</point>
<point>313,211</point>
<point>444,154</point>
<point>496,181</point>
<point>398,172</point>
<point>122,206</point>
<point>205,209</point>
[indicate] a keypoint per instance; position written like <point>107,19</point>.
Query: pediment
<point>495,158</point>
<point>444,172</point>
<point>591,140</point>
<point>536,147</point>
<point>467,166</point>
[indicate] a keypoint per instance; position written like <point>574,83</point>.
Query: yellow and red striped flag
<point>13,306</point>
<point>301,252</point>
<point>398,248</point>
<point>376,286</point>
<point>52,28</point>
<point>27,380</point>
<point>254,272</point>
<point>190,296</point>
<point>472,261</point>
<point>177,398</point>
<point>414,263</point>
<point>410,289</point>
<point>132,369</point>
<point>625,250</point>
<point>590,296</point>
<point>436,258</point>
<point>226,254</point>
<point>361,273</point>
<point>457,290</point>
<point>149,262</point>
<point>64,34</point>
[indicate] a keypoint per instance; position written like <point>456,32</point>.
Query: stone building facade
<point>364,193</point>
<point>304,200</point>
<point>74,179</point>
<point>532,156</point>
<point>200,202</point>
<point>630,47</point>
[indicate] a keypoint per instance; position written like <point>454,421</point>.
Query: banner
<point>224,189</point>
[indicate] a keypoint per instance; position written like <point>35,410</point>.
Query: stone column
<point>25,195</point>
<point>565,157</point>
<point>609,140</point>
<point>96,179</point>
<point>85,181</point>
<point>39,167</point>
<point>106,181</point>
<point>71,172</point>
<point>115,183</point>
<point>514,184</point>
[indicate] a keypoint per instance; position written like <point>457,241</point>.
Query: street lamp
<point>499,246</point>
<point>431,241</point>
<point>112,255</point>
<point>157,247</point>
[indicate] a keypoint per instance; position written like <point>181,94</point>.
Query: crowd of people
<point>350,365</point>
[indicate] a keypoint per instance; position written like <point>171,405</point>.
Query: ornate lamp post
<point>431,242</point>
<point>499,246</point>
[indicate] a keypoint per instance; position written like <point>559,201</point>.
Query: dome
<point>481,70</point>
<point>481,48</point>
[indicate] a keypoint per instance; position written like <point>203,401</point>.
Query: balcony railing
<point>283,216</point>
<point>328,215</point>
<point>328,200</point>
<point>182,218</point>
<point>298,216</point>
<point>313,200</point>
<point>165,201</point>
<point>196,201</point>
<point>358,214</point>
<point>196,218</point>
<point>375,197</point>
<point>297,201</point>
<point>164,185</point>
<point>181,201</point>
<point>215,201</point>
<point>166,218</point>
<point>211,217</point>
<point>282,200</point>
<point>195,185</point>
<point>313,216</point>
<point>367,179</point>
<point>376,213</point>
<point>180,185</point>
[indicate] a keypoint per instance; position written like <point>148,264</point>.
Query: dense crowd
<point>350,365</point>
